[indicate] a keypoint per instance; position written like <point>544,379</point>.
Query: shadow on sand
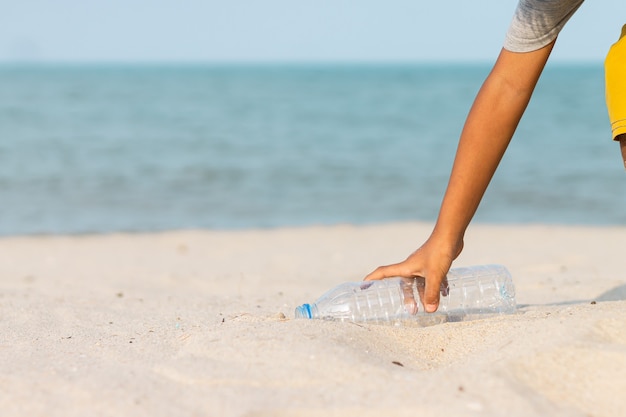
<point>614,294</point>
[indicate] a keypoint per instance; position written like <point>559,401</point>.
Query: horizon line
<point>275,63</point>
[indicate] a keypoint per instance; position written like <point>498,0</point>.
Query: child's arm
<point>622,145</point>
<point>489,127</point>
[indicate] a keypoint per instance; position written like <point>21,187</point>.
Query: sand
<point>200,323</point>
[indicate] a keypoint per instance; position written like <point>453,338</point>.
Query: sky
<point>232,31</point>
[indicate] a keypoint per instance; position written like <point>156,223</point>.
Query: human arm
<point>622,145</point>
<point>492,120</point>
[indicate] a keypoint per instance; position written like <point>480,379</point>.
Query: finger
<point>394,270</point>
<point>431,293</point>
<point>445,288</point>
<point>420,284</point>
<point>410,304</point>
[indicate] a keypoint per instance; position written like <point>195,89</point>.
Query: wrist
<point>448,239</point>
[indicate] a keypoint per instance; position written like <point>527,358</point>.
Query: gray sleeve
<point>536,23</point>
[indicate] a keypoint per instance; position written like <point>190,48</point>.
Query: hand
<point>431,261</point>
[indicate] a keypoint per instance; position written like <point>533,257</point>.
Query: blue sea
<point>107,148</point>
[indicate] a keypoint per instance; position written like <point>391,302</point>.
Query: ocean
<point>139,148</point>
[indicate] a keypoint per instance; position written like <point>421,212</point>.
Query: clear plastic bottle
<point>471,293</point>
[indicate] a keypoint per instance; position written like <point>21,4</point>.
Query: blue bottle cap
<point>304,312</point>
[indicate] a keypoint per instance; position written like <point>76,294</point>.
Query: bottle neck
<point>307,311</point>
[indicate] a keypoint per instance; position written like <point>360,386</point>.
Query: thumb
<point>432,291</point>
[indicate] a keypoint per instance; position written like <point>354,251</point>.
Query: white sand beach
<point>200,323</point>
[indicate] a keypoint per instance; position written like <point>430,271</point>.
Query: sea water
<point>93,149</point>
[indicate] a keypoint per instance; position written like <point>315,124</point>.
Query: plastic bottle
<point>471,293</point>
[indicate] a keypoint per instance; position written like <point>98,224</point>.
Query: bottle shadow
<point>614,294</point>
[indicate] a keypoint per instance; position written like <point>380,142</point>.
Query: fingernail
<point>431,308</point>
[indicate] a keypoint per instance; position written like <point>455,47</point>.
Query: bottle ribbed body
<point>470,293</point>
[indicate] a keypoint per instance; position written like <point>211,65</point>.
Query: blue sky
<point>283,30</point>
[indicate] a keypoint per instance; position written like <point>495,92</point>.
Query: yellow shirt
<point>615,77</point>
